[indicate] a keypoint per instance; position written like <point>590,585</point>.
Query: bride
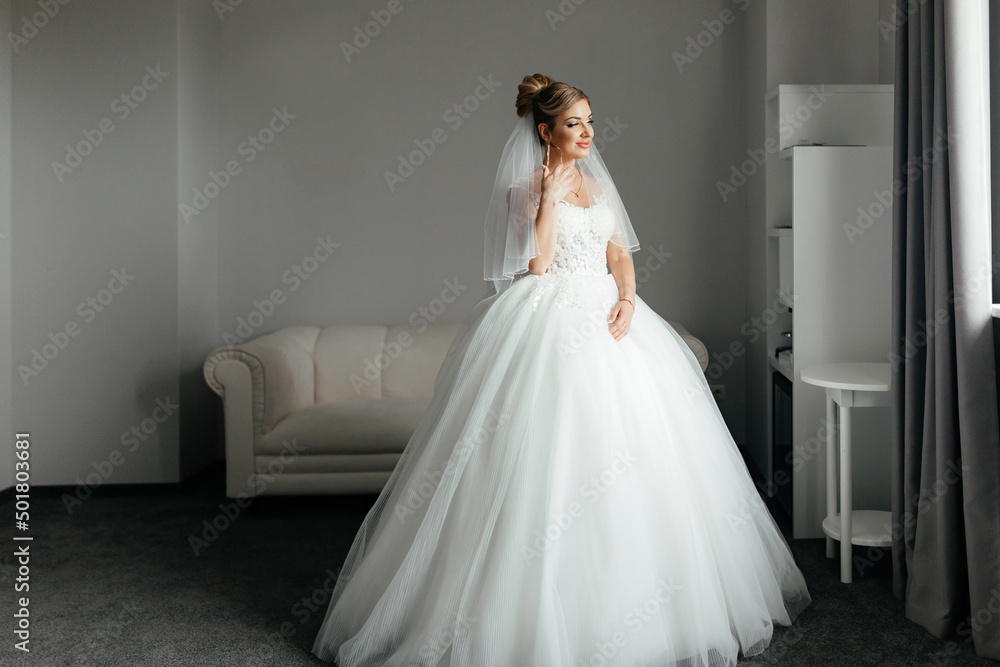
<point>572,495</point>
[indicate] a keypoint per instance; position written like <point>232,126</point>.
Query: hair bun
<point>528,90</point>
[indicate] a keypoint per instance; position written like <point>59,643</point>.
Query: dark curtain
<point>943,391</point>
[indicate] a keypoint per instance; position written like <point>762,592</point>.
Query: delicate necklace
<point>580,186</point>
<point>577,191</point>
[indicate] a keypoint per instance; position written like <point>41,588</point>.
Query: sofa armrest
<point>260,382</point>
<point>693,342</point>
<point>233,377</point>
<point>282,373</point>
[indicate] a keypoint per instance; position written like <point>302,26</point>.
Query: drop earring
<point>548,145</point>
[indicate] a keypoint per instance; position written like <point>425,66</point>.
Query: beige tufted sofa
<point>329,411</point>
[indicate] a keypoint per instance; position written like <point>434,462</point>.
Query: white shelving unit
<point>828,262</point>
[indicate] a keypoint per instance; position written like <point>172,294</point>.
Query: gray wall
<point>100,395</point>
<point>198,104</point>
<point>324,175</point>
<point>7,425</point>
<point>343,125</point>
<point>886,41</point>
<point>72,234</point>
<point>822,41</point>
<point>757,369</point>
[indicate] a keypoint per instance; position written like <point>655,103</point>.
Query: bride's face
<point>571,134</point>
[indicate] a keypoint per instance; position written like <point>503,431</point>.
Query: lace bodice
<point>582,239</point>
<point>582,235</point>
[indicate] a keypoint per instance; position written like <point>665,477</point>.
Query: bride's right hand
<point>556,183</point>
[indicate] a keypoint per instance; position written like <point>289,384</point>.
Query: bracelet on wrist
<point>629,300</point>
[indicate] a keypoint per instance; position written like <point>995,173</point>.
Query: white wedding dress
<point>567,499</point>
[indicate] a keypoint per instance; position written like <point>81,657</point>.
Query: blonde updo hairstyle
<point>545,98</point>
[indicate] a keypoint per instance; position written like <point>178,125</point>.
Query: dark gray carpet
<point>116,582</point>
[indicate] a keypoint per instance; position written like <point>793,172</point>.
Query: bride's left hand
<point>621,319</point>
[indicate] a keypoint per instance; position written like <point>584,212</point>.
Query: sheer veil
<point>510,217</point>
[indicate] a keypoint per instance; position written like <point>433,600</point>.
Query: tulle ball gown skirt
<point>566,500</point>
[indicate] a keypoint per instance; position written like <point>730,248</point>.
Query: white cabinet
<point>786,283</point>
<point>828,275</point>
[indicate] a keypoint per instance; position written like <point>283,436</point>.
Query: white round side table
<point>849,385</point>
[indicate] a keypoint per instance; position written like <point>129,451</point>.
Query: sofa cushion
<point>366,427</point>
<point>414,357</point>
<point>346,359</point>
